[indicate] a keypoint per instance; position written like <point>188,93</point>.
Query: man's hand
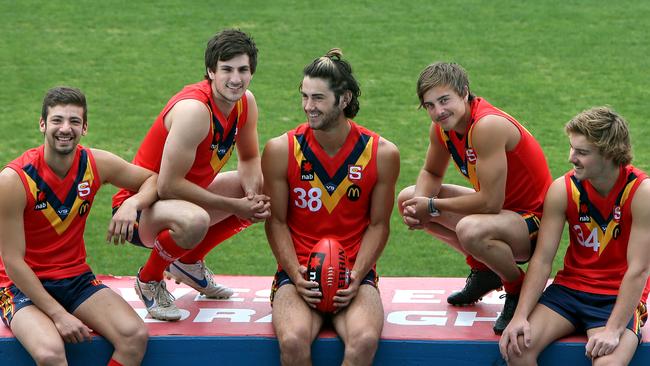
<point>71,329</point>
<point>123,223</point>
<point>508,344</point>
<point>264,211</point>
<point>602,343</point>
<point>253,207</point>
<point>416,212</point>
<point>344,297</point>
<point>307,289</point>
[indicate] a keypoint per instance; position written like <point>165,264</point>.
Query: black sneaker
<point>478,284</point>
<point>506,314</point>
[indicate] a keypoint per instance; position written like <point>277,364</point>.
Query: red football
<point>328,265</point>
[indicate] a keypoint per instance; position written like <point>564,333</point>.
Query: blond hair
<point>607,130</point>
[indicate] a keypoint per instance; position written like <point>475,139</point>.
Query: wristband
<point>433,211</point>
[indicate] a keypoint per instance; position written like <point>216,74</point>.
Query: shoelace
<point>163,297</point>
<point>508,305</point>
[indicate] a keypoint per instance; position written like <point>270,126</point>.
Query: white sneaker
<point>159,302</point>
<point>198,277</point>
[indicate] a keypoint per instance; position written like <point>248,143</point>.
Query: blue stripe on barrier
<point>260,351</point>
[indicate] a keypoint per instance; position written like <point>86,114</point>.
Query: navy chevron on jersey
<point>528,176</point>
<point>599,231</point>
<point>213,151</point>
<point>330,196</point>
<point>55,213</point>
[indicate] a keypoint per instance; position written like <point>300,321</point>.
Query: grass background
<point>542,62</point>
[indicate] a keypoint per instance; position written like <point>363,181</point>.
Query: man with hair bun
<point>604,284</point>
<point>328,177</point>
<point>493,224</point>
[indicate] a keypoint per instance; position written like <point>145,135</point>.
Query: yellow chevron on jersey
<point>331,200</point>
<point>59,224</point>
<point>612,229</point>
<point>223,146</point>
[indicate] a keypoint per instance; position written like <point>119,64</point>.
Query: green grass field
<point>542,62</point>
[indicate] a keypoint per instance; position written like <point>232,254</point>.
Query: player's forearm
<point>282,247</point>
<point>538,273</point>
<point>147,194</point>
<point>628,299</point>
<point>183,189</point>
<point>474,203</point>
<point>250,175</point>
<point>427,184</point>
<point>25,279</point>
<point>372,245</point>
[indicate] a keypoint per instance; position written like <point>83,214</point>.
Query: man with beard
<point>48,293</point>
<point>329,177</point>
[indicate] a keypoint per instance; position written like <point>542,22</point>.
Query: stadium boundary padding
<point>420,329</point>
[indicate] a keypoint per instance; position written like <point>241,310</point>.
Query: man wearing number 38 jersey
<point>329,177</point>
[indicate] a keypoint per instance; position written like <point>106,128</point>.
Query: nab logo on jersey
<point>584,213</point>
<point>215,141</point>
<point>41,201</point>
<point>354,172</point>
<point>471,155</point>
<point>306,171</point>
<point>353,192</point>
<point>83,189</point>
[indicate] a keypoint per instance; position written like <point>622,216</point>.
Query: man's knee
<point>295,343</point>
<point>50,354</point>
<point>192,226</point>
<point>472,232</point>
<point>363,342</point>
<point>405,194</point>
<point>132,340</point>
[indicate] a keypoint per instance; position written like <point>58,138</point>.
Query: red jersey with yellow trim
<point>55,214</point>
<point>528,174</point>
<point>330,196</point>
<point>599,231</point>
<point>211,154</point>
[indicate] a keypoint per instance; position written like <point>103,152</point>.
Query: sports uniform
<point>54,219</point>
<point>330,196</point>
<point>528,178</point>
<point>596,258</point>
<point>211,154</point>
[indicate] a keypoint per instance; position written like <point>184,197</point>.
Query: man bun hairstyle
<point>338,74</point>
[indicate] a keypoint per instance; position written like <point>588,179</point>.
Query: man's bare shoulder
<point>493,128</point>
<point>387,146</point>
<point>11,188</point>
<point>277,145</point>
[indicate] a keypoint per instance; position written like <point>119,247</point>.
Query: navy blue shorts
<point>586,310</point>
<point>532,222</point>
<point>282,278</point>
<point>136,234</point>
<point>69,292</point>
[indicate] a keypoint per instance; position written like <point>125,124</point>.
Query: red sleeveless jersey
<point>528,174</point>
<point>55,214</point>
<point>599,231</point>
<point>211,154</point>
<point>330,196</point>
